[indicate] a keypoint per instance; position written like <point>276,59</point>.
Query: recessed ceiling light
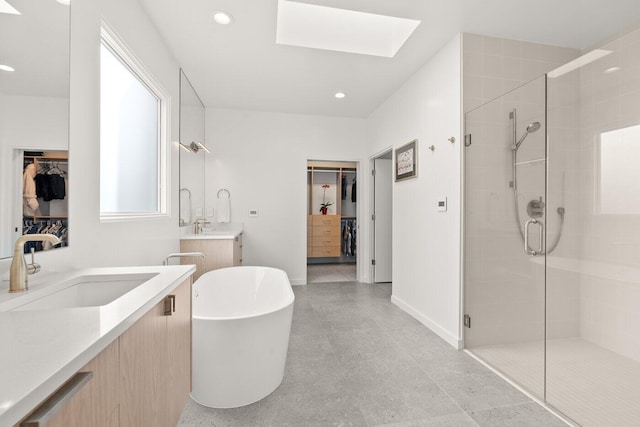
<point>223,18</point>
<point>64,2</point>
<point>611,70</point>
<point>6,68</point>
<point>340,95</point>
<point>7,8</point>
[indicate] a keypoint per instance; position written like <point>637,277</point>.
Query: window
<point>619,174</point>
<point>133,129</point>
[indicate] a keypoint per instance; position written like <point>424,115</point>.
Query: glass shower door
<point>593,276</point>
<point>505,182</point>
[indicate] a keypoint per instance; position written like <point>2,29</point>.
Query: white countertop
<point>216,231</point>
<point>42,349</point>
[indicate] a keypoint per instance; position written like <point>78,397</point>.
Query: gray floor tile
<point>452,420</point>
<point>405,403</point>
<point>525,415</point>
<point>478,392</point>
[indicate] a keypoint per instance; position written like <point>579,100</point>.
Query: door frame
<point>372,189</point>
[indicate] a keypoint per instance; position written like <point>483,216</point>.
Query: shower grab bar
<point>527,249</point>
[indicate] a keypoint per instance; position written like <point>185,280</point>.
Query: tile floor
<point>596,386</point>
<point>357,360</point>
<point>331,273</point>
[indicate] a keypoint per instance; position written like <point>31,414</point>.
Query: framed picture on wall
<point>406,161</point>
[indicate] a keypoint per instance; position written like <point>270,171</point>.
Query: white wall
<point>261,158</point>
<point>91,242</point>
<point>426,243</point>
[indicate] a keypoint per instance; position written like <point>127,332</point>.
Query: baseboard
<point>435,327</point>
<point>298,282</point>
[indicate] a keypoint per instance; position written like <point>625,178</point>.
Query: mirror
<point>192,153</point>
<point>34,115</point>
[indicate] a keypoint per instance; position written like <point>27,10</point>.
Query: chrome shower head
<point>533,127</point>
<point>530,129</point>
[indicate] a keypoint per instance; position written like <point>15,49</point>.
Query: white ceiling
<point>36,44</point>
<point>241,66</point>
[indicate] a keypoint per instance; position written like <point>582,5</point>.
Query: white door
<point>382,222</point>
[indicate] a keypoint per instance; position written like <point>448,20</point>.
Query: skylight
<point>7,8</point>
<point>322,27</point>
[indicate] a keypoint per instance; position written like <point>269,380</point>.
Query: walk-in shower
<point>559,319</point>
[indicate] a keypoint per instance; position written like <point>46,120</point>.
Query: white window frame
<point>130,60</point>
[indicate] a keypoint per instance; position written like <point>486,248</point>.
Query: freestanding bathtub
<point>241,325</point>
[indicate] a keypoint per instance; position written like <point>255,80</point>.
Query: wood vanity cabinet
<point>96,404</point>
<point>143,378</point>
<point>155,363</point>
<point>219,253</point>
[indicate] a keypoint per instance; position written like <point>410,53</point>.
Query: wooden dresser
<point>323,236</point>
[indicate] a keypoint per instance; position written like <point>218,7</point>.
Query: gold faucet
<point>19,270</point>
<point>197,225</point>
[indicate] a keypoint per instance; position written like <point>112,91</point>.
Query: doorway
<point>381,217</point>
<point>332,224</point>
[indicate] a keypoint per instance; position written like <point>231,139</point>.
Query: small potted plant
<point>324,206</point>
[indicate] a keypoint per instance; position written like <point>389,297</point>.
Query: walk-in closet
<point>44,197</point>
<point>332,228</point>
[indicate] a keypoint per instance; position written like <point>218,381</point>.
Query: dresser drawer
<point>325,231</point>
<point>326,241</point>
<point>325,251</point>
<point>326,220</point>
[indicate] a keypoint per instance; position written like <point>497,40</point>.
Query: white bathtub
<point>241,325</point>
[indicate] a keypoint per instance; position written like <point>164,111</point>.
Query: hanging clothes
<point>29,195</point>
<point>50,186</point>
<point>344,187</point>
<point>353,191</point>
<point>58,228</point>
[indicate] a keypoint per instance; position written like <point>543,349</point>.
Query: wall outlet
<point>253,213</point>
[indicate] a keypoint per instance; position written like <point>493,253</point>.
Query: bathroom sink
<point>88,291</point>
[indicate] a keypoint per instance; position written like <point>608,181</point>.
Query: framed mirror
<point>192,153</point>
<point>34,118</point>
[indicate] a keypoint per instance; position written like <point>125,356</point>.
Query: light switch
<point>199,212</point>
<point>253,213</point>
<point>210,212</point>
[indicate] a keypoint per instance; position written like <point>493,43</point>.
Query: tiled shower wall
<point>511,310</point>
<point>610,232</point>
